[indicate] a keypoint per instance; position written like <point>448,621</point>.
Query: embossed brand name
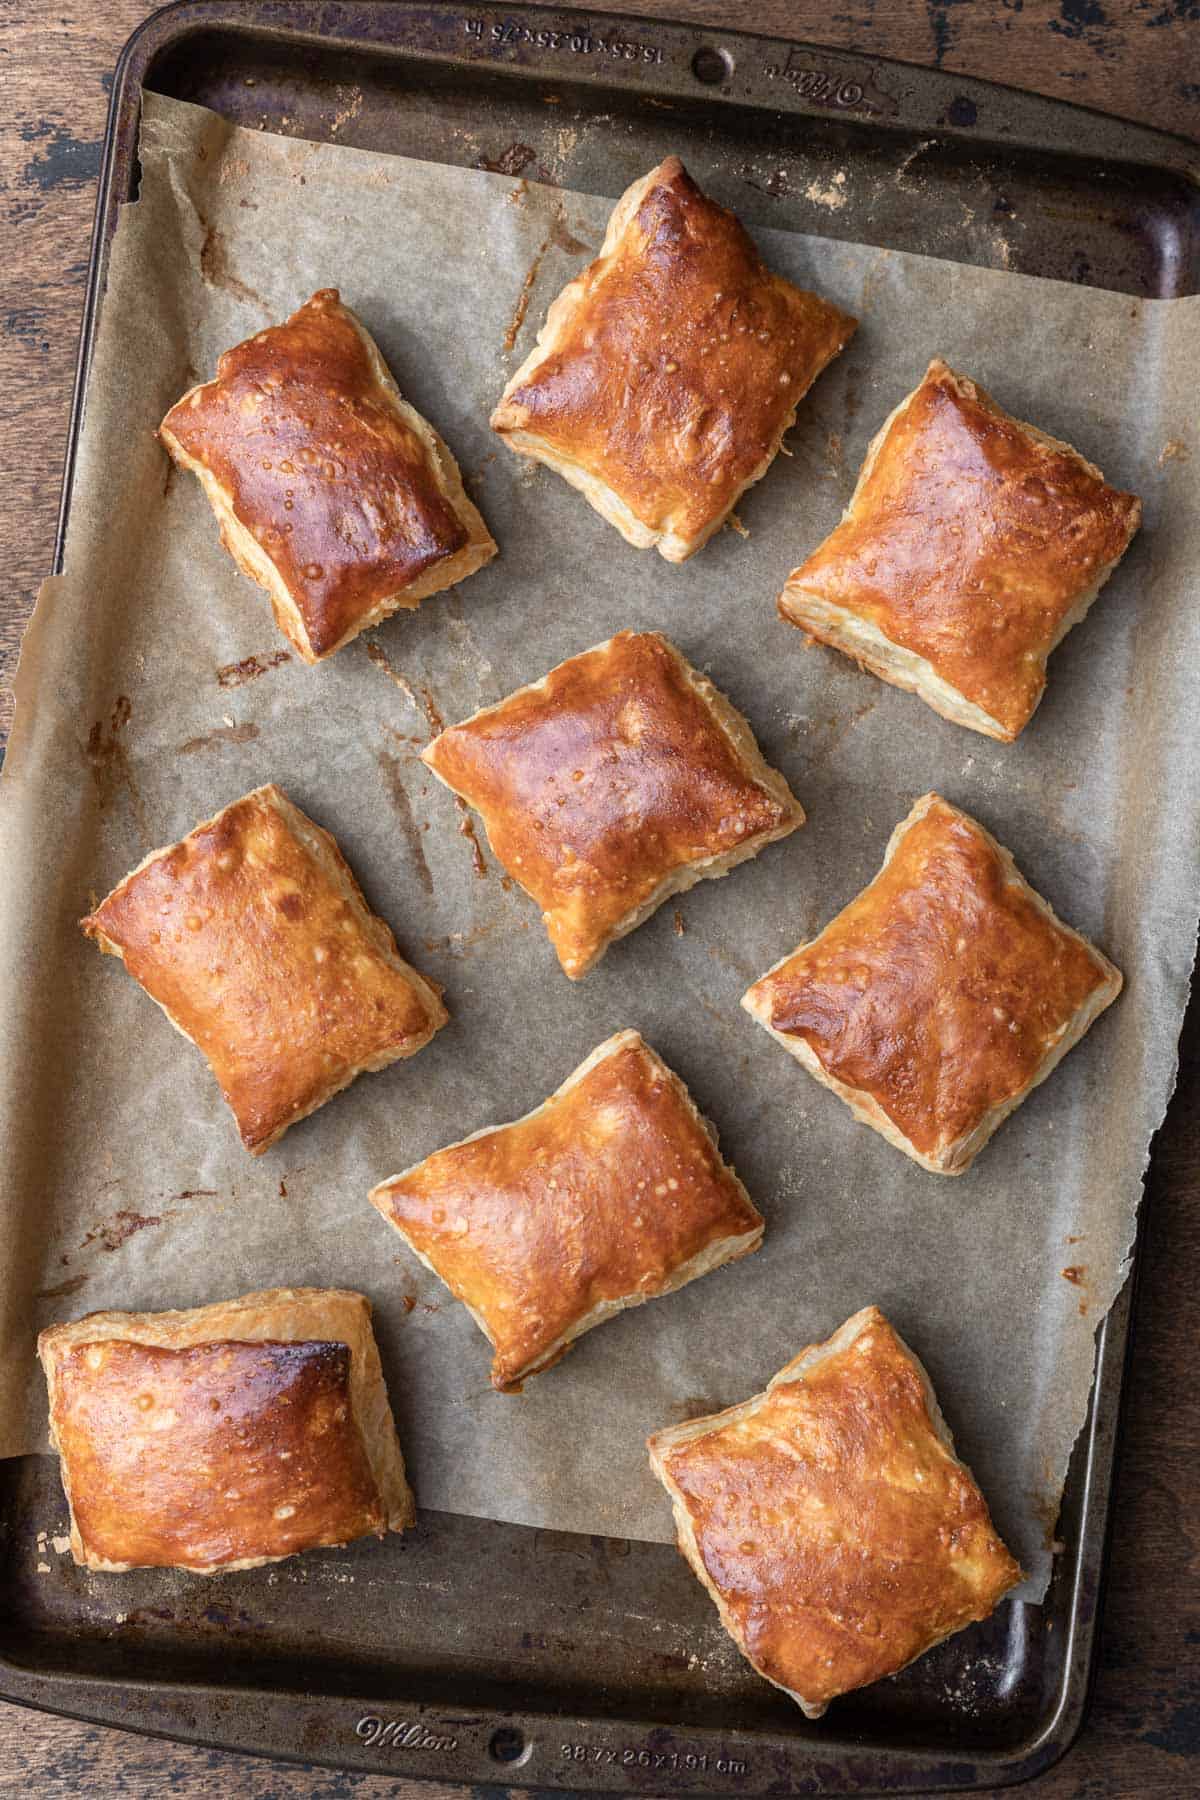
<point>400,1734</point>
<point>818,84</point>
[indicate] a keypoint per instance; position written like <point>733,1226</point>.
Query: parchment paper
<point>125,1183</point>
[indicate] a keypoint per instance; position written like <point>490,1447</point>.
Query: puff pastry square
<point>941,996</point>
<point>667,372</point>
<point>971,545</point>
<point>331,491</point>
<point>610,1193</point>
<point>619,779</point>
<point>830,1519</point>
<point>254,938</point>
<point>225,1436</point>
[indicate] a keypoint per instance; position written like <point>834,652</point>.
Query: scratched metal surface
<point>971,189</point>
<point>610,1634</point>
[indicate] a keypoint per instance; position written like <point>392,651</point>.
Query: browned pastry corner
<point>941,996</point>
<point>667,372</point>
<point>331,491</point>
<point>622,777</point>
<point>610,1193</point>
<point>830,1519</point>
<point>226,1436</point>
<point>971,545</point>
<point>254,938</point>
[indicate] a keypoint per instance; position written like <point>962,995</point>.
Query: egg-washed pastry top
<point>224,1436</point>
<point>971,545</point>
<point>608,1194</point>
<point>331,490</point>
<point>941,995</point>
<point>667,372</point>
<point>253,936</point>
<point>620,778</point>
<point>830,1519</point>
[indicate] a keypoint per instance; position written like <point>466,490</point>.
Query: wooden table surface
<point>1139,58</point>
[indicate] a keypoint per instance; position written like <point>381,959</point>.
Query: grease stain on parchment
<point>466,828</point>
<point>827,734</point>
<point>393,780</point>
<point>461,943</point>
<point>222,734</point>
<point>64,1288</point>
<point>522,306</point>
<point>421,696</point>
<point>107,759</point>
<point>379,656</point>
<point>120,1226</point>
<point>562,236</point>
<point>217,272</point>
<point>554,235</point>
<point>237,674</point>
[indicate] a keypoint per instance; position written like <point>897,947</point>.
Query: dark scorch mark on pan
<point>512,161</point>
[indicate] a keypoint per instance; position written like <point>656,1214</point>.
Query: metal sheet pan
<point>550,1659</point>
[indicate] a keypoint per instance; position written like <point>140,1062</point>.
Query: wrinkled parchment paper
<point>125,1183</point>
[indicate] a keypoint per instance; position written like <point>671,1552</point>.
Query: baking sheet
<point>152,690</point>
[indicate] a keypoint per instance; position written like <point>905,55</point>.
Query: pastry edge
<point>715,1255</point>
<point>862,640</point>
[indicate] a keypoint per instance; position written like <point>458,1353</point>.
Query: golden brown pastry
<point>610,1193</point>
<point>830,1519</point>
<point>331,491</point>
<point>226,1436</point>
<point>619,779</point>
<point>668,371</point>
<point>938,998</point>
<point>253,936</point>
<point>970,547</point>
